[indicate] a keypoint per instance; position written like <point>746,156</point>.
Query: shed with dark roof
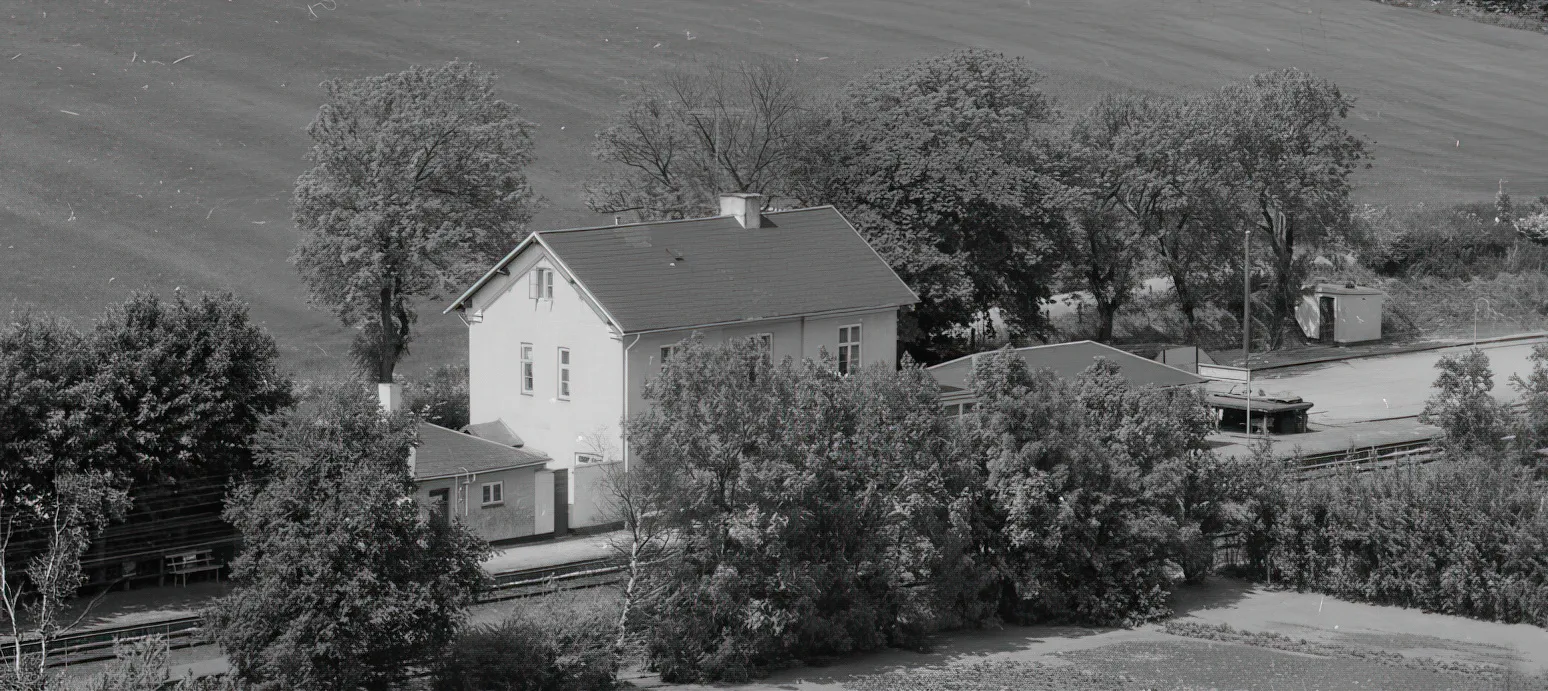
<point>1066,361</point>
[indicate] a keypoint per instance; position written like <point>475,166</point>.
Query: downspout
<point>623,442</point>
<point>462,480</point>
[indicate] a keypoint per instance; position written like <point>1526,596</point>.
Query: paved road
<point>1388,386</point>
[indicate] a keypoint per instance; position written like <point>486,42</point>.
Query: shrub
<point>552,643</point>
<point>1463,407</point>
<point>441,397</point>
<point>1094,487</point>
<point>1460,241</point>
<point>1467,537</point>
<point>342,581</point>
<point>816,514</point>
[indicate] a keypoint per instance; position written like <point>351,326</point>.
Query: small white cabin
<point>1331,313</point>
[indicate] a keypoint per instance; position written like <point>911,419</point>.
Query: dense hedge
<point>1465,537</point>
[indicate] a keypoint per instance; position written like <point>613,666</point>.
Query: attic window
<point>542,284</point>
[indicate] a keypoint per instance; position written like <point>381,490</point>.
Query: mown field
<point>126,164</point>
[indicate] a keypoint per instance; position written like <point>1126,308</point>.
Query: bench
<point>182,564</point>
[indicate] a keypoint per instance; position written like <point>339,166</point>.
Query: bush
<point>1467,537</point>
<point>1461,241</point>
<point>553,643</point>
<point>440,398</point>
<point>1095,489</point>
<point>815,514</point>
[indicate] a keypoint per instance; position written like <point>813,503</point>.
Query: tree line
<point>971,181</point>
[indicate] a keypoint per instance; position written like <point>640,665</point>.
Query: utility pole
<point>1247,321</point>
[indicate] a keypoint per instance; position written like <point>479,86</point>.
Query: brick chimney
<point>391,397</point>
<point>747,207</point>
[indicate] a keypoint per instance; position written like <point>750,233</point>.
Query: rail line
<point>96,645</point>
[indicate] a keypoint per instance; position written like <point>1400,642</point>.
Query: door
<point>561,502</point>
<point>440,503</point>
<point>1325,319</point>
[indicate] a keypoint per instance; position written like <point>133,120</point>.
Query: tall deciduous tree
<point>1108,231</point>
<point>419,185</point>
<point>43,363</point>
<point>178,387</point>
<point>1288,153</point>
<point>939,165</point>
<point>702,132</point>
<point>342,579</point>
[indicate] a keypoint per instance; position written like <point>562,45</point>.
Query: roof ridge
<point>673,220</point>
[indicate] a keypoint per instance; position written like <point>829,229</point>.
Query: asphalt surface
<point>1388,386</point>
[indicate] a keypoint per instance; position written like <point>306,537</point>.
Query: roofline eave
<point>758,320</point>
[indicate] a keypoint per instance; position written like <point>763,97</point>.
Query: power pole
<point>1247,321</point>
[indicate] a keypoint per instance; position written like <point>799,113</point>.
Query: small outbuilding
<point>1340,314</point>
<point>1066,361</point>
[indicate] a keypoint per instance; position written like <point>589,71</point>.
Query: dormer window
<point>541,286</point>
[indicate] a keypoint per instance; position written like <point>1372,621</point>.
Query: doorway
<point>440,504</point>
<point>1325,319</point>
<point>561,503</point>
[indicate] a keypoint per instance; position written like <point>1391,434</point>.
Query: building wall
<point>543,420</point>
<point>592,504</point>
<point>1357,318</point>
<point>797,338</point>
<point>1306,315</point>
<point>514,517</point>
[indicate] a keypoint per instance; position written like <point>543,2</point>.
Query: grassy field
<point>153,143</point>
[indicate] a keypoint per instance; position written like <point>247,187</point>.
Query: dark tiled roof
<point>443,451</point>
<point>1067,360</point>
<point>712,270</point>
<point>495,431</point>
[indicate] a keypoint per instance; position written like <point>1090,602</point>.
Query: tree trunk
<point>386,354</point>
<point>1106,309</point>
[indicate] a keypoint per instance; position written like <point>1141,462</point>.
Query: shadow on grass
<point>1216,592</point>
<point>946,648</point>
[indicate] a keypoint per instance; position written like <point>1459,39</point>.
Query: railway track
<point>96,645</point>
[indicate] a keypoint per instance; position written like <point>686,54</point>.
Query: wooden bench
<point>182,564</point>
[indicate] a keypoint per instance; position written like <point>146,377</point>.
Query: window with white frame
<point>849,349</point>
<point>564,373</point>
<point>493,493</point>
<point>528,381</point>
<point>541,286</point>
<point>668,351</point>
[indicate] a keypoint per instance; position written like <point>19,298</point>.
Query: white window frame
<point>492,493</point>
<point>541,286</point>
<point>564,382</point>
<point>851,356</point>
<point>528,370</point>
<point>668,351</point>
